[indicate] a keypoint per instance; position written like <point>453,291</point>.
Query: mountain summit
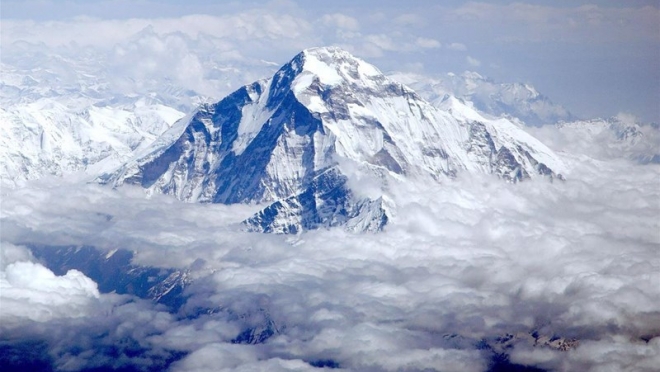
<point>300,140</point>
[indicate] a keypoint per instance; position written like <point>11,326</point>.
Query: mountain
<point>304,141</point>
<point>518,100</point>
<point>47,137</point>
<point>70,108</point>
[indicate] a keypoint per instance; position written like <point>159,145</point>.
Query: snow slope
<point>70,109</point>
<point>47,137</point>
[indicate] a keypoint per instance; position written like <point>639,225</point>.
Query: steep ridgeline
<point>297,140</point>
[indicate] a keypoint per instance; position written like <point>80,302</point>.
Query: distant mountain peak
<point>516,100</point>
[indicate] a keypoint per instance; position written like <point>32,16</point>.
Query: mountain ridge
<point>515,100</point>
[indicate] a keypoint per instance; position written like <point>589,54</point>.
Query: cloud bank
<point>560,276</point>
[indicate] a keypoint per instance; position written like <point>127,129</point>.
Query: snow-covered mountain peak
<point>303,140</point>
<point>472,75</point>
<point>334,65</point>
<point>534,93</point>
<point>322,69</point>
<point>518,100</point>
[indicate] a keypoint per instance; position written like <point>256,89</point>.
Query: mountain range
<point>515,100</point>
<point>47,137</point>
<point>298,142</point>
<point>71,109</point>
<point>68,109</point>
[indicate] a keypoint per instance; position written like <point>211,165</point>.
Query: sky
<point>596,58</point>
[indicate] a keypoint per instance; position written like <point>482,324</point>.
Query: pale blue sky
<point>597,60</point>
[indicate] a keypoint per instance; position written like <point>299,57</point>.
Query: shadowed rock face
<point>115,272</point>
<point>295,140</point>
<point>326,202</point>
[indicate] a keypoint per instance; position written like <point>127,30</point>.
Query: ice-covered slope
<point>514,154</point>
<point>46,137</point>
<point>71,108</point>
<point>517,100</point>
<point>302,139</point>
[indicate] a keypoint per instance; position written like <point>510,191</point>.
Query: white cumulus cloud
<point>457,46</point>
<point>427,43</point>
<point>30,291</point>
<point>473,61</point>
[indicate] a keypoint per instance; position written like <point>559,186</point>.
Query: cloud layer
<point>460,266</point>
